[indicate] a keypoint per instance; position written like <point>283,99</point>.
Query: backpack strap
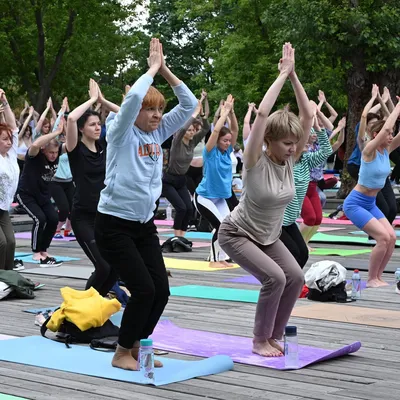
<point>43,330</point>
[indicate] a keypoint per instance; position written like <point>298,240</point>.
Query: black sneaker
<point>49,262</point>
<point>18,265</point>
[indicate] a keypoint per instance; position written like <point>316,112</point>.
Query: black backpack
<point>105,336</point>
<point>335,294</point>
<point>177,244</point>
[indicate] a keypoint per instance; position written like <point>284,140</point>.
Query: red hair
<point>153,98</point>
<point>7,129</point>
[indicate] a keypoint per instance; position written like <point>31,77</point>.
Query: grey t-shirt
<point>267,189</point>
<point>181,154</point>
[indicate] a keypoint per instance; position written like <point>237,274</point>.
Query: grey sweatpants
<point>277,270</point>
<point>7,241</point>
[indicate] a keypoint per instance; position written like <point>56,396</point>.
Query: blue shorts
<point>360,208</point>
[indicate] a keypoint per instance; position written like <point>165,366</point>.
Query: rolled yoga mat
<point>168,336</point>
<point>44,353</point>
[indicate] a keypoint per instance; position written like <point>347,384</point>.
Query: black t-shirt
<point>88,171</point>
<point>36,176</point>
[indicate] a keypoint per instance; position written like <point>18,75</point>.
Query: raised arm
<point>53,111</point>
<point>73,116</point>
<point>43,117</point>
<point>340,130</point>
<point>21,116</point>
<point>26,122</point>
<point>233,126</point>
<point>381,138</point>
<point>326,123</point>
<point>43,140</point>
<point>218,112</point>
<point>253,150</point>
<point>319,157</point>
<point>387,99</point>
<point>384,110</point>
<point>204,95</point>
<point>225,110</point>
<point>363,122</point>
<point>7,112</point>
<point>106,104</point>
<point>306,113</point>
<point>246,121</point>
<point>118,124</point>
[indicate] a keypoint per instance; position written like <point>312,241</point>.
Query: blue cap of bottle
<point>291,331</point>
<point>146,342</point>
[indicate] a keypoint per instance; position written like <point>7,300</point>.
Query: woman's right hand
<point>286,63</point>
<point>93,90</point>
<point>375,91</point>
<point>228,105</point>
<point>155,56</point>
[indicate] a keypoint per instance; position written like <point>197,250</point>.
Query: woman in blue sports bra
<point>360,205</point>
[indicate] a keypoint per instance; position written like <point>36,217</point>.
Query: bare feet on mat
<point>218,264</point>
<point>36,256</point>
<point>383,283</point>
<point>135,355</point>
<point>373,283</point>
<point>266,350</point>
<point>275,343</point>
<point>124,360</point>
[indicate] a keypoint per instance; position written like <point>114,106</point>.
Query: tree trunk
<point>358,86</point>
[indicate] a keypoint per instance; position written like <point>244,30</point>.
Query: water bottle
<point>397,278</point>
<point>356,285</point>
<point>146,360</point>
<point>169,212</point>
<point>291,348</point>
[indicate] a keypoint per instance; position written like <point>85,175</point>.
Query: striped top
<point>301,174</point>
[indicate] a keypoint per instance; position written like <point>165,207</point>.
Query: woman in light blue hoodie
<point>124,231</point>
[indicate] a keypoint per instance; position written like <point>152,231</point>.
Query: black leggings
<point>133,251</point>
<point>176,192</point>
<point>103,277</point>
<point>385,199</point>
<point>395,158</point>
<point>62,194</point>
<point>194,176</point>
<point>293,240</point>
<point>45,220</point>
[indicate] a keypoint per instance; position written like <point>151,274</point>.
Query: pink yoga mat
<point>170,337</point>
<point>163,222</point>
<point>328,229</point>
<point>27,235</point>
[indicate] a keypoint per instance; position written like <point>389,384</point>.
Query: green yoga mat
<point>325,238</point>
<point>8,397</point>
<point>338,252</point>
<point>216,293</point>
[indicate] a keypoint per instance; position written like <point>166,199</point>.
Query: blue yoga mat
<point>29,259</point>
<point>17,254</point>
<point>194,235</point>
<point>362,233</point>
<point>44,353</point>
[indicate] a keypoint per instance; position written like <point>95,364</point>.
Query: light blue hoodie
<point>134,157</point>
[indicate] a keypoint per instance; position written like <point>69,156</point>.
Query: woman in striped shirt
<point>291,236</point>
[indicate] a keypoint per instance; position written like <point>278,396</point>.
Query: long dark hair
<point>82,120</point>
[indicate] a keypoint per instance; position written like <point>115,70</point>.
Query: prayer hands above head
<point>321,96</point>
<point>31,110</point>
<point>286,63</point>
<point>3,97</point>
<point>26,104</point>
<point>342,123</point>
<point>156,57</point>
<point>385,94</point>
<point>93,89</point>
<point>228,105</point>
<point>49,103</point>
<point>65,103</point>
<point>204,94</point>
<point>375,90</point>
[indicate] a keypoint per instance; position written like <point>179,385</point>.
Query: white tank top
<point>21,150</point>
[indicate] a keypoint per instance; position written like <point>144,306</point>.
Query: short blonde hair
<point>281,124</point>
<point>153,98</point>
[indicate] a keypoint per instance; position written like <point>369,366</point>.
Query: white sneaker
<point>49,262</point>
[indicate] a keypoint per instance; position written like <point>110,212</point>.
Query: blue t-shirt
<point>217,174</point>
<point>355,157</point>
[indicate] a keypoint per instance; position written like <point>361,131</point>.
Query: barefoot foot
<point>383,283</point>
<point>135,355</point>
<point>373,283</point>
<point>123,359</point>
<point>274,343</point>
<point>266,350</point>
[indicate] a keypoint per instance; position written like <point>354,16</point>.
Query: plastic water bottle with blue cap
<point>146,360</point>
<point>356,285</point>
<point>397,278</point>
<point>169,212</point>
<point>291,347</point>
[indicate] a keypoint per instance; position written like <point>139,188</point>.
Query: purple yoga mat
<point>27,235</point>
<point>251,280</point>
<point>170,337</point>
